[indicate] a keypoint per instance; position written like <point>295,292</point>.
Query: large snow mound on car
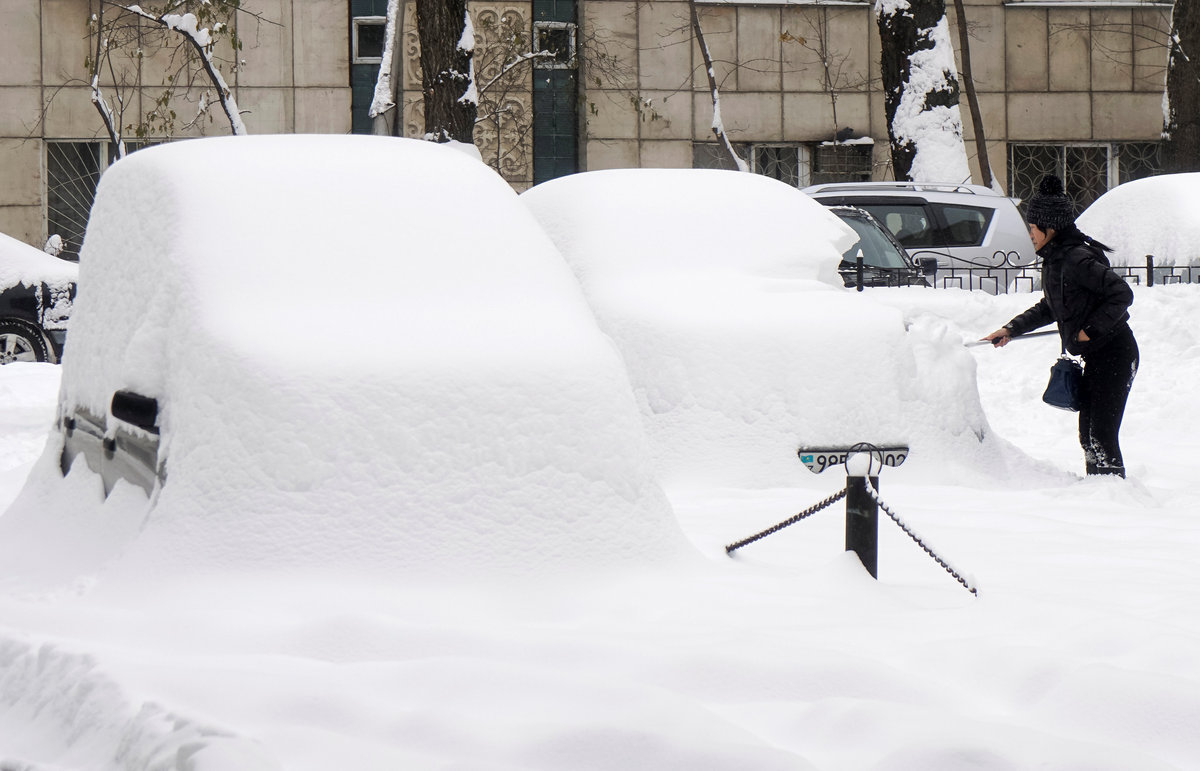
<point>367,356</point>
<point>720,288</point>
<point>1159,216</point>
<point>20,263</point>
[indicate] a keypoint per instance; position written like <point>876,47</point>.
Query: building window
<point>369,39</point>
<point>1087,170</point>
<point>73,171</point>
<point>799,165</point>
<point>555,40</point>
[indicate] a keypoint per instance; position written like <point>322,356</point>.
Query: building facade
<point>1069,86</point>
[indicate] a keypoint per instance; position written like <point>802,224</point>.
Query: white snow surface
<point>1158,215</point>
<point>21,263</point>
<point>1079,651</point>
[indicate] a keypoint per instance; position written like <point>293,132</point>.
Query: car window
<point>910,224</point>
<point>877,250</point>
<point>965,225</point>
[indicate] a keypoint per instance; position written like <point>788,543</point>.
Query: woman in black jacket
<point>1090,303</point>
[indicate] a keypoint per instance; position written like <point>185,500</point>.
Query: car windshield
<point>877,250</point>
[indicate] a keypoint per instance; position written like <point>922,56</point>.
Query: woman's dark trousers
<point>1107,376</point>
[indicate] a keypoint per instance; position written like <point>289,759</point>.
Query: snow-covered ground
<point>1079,652</point>
<point>490,535</point>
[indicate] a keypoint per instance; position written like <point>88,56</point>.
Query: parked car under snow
<point>287,393</point>
<point>36,295</point>
<point>708,278</point>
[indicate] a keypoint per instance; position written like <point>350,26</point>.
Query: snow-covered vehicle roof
<point>364,352</point>
<point>20,263</point>
<point>721,290</point>
<point>1159,216</point>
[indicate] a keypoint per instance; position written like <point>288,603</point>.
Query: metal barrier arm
<point>966,583</point>
<point>731,548</point>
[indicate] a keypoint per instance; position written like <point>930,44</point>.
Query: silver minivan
<point>977,235</point>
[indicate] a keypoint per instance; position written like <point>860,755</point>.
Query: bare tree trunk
<point>718,126</point>
<point>451,102</point>
<point>968,82</point>
<point>1181,119</point>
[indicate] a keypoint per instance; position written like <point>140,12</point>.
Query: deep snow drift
<point>1078,653</point>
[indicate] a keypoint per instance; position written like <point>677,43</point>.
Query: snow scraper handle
<point>988,340</point>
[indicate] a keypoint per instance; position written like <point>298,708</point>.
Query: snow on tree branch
<point>201,40</point>
<point>718,125</point>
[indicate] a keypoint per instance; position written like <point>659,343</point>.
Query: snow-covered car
<point>721,289</point>
<point>977,235</point>
<point>885,262</point>
<point>249,376</point>
<point>36,295</point>
<point>1157,217</point>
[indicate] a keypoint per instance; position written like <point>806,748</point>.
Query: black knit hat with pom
<point>1050,209</point>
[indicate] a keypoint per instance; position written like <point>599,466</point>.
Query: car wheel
<point>21,341</point>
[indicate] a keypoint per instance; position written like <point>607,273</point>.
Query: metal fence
<point>1004,274</point>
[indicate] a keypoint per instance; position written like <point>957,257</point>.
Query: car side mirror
<point>928,265</point>
<point>135,409</point>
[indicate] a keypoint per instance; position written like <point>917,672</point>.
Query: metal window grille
<point>796,164</point>
<point>786,163</point>
<point>73,171</point>
<point>841,163</point>
<point>1087,170</point>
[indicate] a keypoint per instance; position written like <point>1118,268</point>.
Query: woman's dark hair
<point>1073,230</point>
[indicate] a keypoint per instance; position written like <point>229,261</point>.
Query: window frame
<point>807,153</point>
<point>365,21</point>
<point>1112,165</point>
<point>555,63</point>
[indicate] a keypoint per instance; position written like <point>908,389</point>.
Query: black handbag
<point>1066,383</point>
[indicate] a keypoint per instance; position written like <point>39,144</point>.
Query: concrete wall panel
<point>663,32</point>
<point>1025,49</point>
<point>758,47</point>
<point>1047,117</point>
<point>322,111</point>
<point>664,154</point>
<point>22,172</point>
<point>754,117</point>
<point>1070,49</point>
<point>612,154</point>
<point>1112,50</point>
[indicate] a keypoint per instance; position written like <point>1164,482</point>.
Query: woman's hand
<point>999,338</point>
<point>1082,337</point>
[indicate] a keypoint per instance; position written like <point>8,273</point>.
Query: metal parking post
<point>858,270</point>
<point>862,522</point>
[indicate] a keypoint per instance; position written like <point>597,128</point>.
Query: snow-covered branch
<point>718,125</point>
<point>201,40</point>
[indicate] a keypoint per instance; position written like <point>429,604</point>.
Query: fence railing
<point>1005,275</point>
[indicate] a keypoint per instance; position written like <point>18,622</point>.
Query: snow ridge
<point>62,700</point>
